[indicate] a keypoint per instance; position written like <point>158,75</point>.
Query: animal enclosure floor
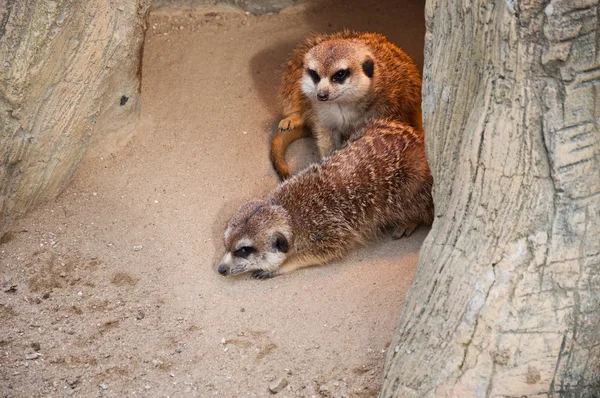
<point>115,289</point>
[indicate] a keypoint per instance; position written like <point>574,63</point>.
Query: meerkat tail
<point>279,144</point>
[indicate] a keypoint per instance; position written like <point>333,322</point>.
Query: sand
<point>114,285</point>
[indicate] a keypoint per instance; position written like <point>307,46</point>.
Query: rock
<point>72,381</point>
<point>277,385</point>
<point>70,391</point>
<point>140,315</point>
<point>36,346</point>
<point>103,386</point>
<point>7,286</point>
<point>46,296</point>
<point>43,110</point>
<point>32,356</point>
<point>138,248</point>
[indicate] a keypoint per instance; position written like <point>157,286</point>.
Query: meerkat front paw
<point>290,122</point>
<point>263,275</point>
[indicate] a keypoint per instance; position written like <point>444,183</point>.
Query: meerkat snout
<point>223,269</point>
<point>322,96</point>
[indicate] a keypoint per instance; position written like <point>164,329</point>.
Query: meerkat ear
<point>280,242</point>
<point>368,67</point>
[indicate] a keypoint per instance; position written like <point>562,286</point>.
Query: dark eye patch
<point>314,75</point>
<point>340,76</point>
<point>244,251</point>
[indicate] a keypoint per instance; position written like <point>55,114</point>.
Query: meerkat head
<point>337,70</point>
<point>257,238</point>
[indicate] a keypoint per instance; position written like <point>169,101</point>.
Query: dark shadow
<point>401,21</point>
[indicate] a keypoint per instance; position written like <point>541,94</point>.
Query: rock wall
<point>253,6</point>
<point>505,299</point>
<point>69,78</point>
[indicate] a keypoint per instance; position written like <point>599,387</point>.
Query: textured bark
<point>69,77</point>
<point>256,7</point>
<point>506,299</point>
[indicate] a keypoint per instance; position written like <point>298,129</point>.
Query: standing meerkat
<point>335,84</point>
<point>379,180</point>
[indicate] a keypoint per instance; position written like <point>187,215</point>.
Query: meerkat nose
<point>322,96</point>
<point>223,269</point>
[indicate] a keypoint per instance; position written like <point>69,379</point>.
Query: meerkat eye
<point>340,75</point>
<point>314,75</point>
<point>244,251</point>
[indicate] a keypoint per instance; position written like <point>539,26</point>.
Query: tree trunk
<point>69,76</point>
<point>506,298</point>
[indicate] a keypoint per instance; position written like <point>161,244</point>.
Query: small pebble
<point>36,346</point>
<point>103,386</point>
<point>46,296</point>
<point>70,391</point>
<point>32,356</point>
<point>138,248</point>
<point>178,350</point>
<point>140,315</point>
<point>277,385</point>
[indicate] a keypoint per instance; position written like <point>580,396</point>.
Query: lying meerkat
<point>380,179</point>
<point>336,83</point>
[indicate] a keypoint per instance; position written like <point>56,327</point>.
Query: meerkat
<point>335,83</point>
<point>380,180</point>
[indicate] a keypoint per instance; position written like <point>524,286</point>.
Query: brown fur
<point>380,179</point>
<point>395,91</point>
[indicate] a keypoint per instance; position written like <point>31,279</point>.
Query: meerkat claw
<point>263,275</point>
<point>404,231</point>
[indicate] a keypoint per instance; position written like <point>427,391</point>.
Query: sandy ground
<point>115,290</point>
